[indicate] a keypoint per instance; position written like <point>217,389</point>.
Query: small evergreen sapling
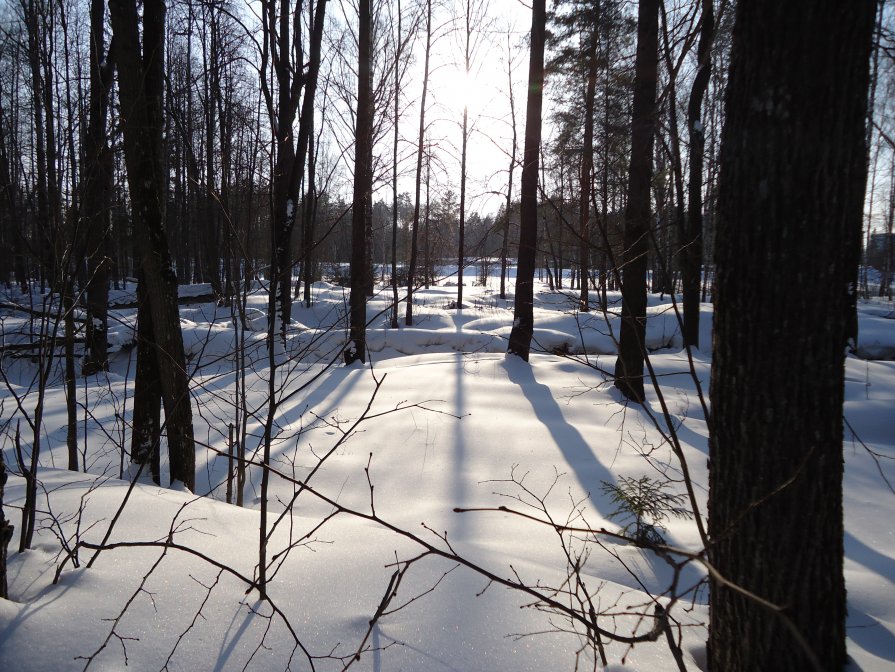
<point>642,504</point>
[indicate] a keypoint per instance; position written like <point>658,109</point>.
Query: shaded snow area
<point>367,553</point>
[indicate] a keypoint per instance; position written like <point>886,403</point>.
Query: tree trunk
<point>141,84</point>
<point>291,154</point>
<point>523,311</point>
<point>42,229</point>
<point>397,82</point>
<point>421,138</point>
<point>691,242</point>
<point>6,531</point>
<point>791,193</point>
<point>71,406</point>
<point>587,163</point>
<point>356,349</point>
<point>427,249</point>
<point>210,224</point>
<point>309,223</point>
<point>96,184</point>
<point>632,334</point>
<point>505,243</point>
<point>464,145</point>
<point>461,251</point>
<point>662,280</point>
<point>885,285</point>
<point>146,429</point>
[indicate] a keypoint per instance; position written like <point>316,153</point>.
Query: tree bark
<point>397,83</point>
<point>294,85</point>
<point>464,142</point>
<point>421,139</point>
<point>96,184</point>
<point>691,242</point>
<point>505,243</point>
<point>791,193</point>
<point>632,334</point>
<point>356,348</point>
<point>309,223</point>
<point>6,532</point>
<point>587,163</point>
<point>146,429</point>
<point>523,311</point>
<point>42,229</point>
<point>141,81</point>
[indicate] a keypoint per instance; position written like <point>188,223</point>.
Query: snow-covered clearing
<point>452,423</point>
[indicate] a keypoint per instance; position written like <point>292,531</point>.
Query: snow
<point>453,422</point>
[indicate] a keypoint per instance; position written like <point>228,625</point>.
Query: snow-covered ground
<point>447,421</point>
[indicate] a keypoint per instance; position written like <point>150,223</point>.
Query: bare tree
<point>363,189</point>
<point>473,15</point>
<point>587,158</point>
<point>282,61</point>
<point>6,531</point>
<point>398,68</point>
<point>94,199</point>
<point>632,333</point>
<point>140,64</point>
<point>505,242</point>
<point>523,312</point>
<point>691,235</point>
<point>421,139</point>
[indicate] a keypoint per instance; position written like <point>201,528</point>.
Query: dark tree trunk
<point>96,185</point>
<point>790,205</point>
<point>291,153</point>
<point>141,82</point>
<point>427,245</point>
<point>42,229</point>
<point>10,214</point>
<point>285,188</point>
<point>663,272</point>
<point>505,243</point>
<point>632,333</point>
<point>6,531</point>
<point>309,223</point>
<point>210,224</point>
<point>523,311</point>
<point>461,246</point>
<point>691,242</point>
<point>71,406</point>
<point>147,390</point>
<point>587,163</point>
<point>885,284</point>
<point>558,261</point>
<point>421,138</point>
<point>397,82</point>
<point>464,143</point>
<point>363,187</point>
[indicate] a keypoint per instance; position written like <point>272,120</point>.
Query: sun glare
<point>457,89</point>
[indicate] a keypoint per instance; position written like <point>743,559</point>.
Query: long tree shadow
<point>584,465</point>
<point>870,634</point>
<point>871,558</point>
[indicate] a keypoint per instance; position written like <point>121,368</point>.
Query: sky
<point>483,90</point>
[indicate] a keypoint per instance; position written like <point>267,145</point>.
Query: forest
<point>447,334</point>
